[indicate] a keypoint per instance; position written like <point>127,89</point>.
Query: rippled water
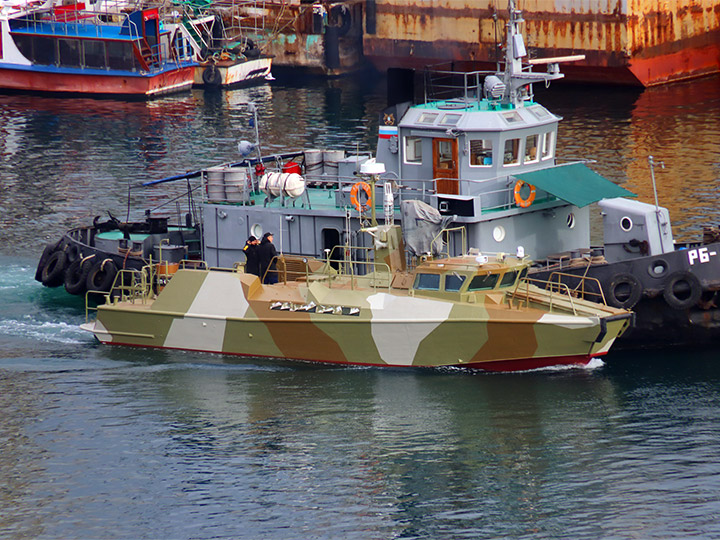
<point>101,442</point>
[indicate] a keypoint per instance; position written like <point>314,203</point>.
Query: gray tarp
<point>421,223</point>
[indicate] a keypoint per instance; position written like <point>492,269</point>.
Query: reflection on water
<point>166,445</point>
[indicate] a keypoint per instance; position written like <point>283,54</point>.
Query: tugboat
<point>479,153</point>
<point>89,257</point>
<point>472,311</point>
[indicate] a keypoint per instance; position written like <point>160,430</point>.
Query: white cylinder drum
<point>313,162</point>
<point>330,161</point>
<point>215,178</point>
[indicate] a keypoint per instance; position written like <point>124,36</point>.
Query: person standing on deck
<point>252,264</point>
<point>267,254</point>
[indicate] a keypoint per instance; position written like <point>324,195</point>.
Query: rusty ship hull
<point>641,42</point>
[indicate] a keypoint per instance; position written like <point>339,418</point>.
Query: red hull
<point>80,83</point>
<point>649,69</point>
<point>499,366</point>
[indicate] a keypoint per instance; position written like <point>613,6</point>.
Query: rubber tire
<point>211,76</point>
<point>101,276</point>
<point>53,272</point>
<point>49,248</point>
<point>623,291</point>
<point>252,53</point>
<point>694,290</point>
<point>76,277</point>
<point>72,252</point>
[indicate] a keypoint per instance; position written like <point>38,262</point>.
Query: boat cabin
<point>74,37</point>
<point>458,276</point>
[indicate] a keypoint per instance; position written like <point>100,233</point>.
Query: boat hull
<point>231,73</point>
<point>79,82</point>
<point>629,44</point>
<point>232,313</point>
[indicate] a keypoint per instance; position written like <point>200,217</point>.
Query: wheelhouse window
<point>511,152</point>
<point>480,153</point>
<point>512,118</point>
<point>548,145</point>
<point>413,150</point>
<point>508,278</point>
<point>450,119</point>
<point>427,282</point>
<point>453,282</point>
<point>531,148</point>
<point>428,118</point>
<point>483,283</point>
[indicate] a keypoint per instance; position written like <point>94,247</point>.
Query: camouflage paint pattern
<point>343,319</point>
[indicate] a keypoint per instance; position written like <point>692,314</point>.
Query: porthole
<point>256,230</point>
<point>499,233</point>
<point>571,220</point>
<point>626,224</point>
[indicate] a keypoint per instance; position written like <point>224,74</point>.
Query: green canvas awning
<point>574,183</point>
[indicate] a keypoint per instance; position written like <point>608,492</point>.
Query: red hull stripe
<point>80,83</point>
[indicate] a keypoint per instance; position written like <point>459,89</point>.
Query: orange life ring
<point>524,203</point>
<point>354,193</point>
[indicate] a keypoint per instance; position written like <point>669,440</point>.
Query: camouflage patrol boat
<point>473,311</point>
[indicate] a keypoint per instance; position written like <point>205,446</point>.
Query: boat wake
<point>50,332</point>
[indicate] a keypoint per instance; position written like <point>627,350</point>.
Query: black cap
<point>251,238</point>
<point>267,234</point>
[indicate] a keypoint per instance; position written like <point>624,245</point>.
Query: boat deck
<point>78,29</point>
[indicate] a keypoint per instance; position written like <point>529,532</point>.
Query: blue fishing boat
<point>80,49</point>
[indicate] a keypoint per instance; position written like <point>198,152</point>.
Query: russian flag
<point>388,131</point>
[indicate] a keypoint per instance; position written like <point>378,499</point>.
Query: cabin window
<point>481,153</point>
<point>120,55</point>
<point>427,118</point>
<point>531,148</point>
<point>453,282</point>
<point>483,283</point>
<point>427,282</point>
<point>44,51</point>
<point>451,119</point>
<point>539,111</point>
<point>548,145</point>
<point>94,54</point>
<point>512,118</point>
<point>511,153</point>
<point>508,278</point>
<point>69,50</point>
<point>413,150</point>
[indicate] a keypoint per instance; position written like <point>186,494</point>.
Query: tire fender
<point>53,272</point>
<point>101,276</point>
<point>682,290</point>
<point>622,290</point>
<point>76,276</point>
